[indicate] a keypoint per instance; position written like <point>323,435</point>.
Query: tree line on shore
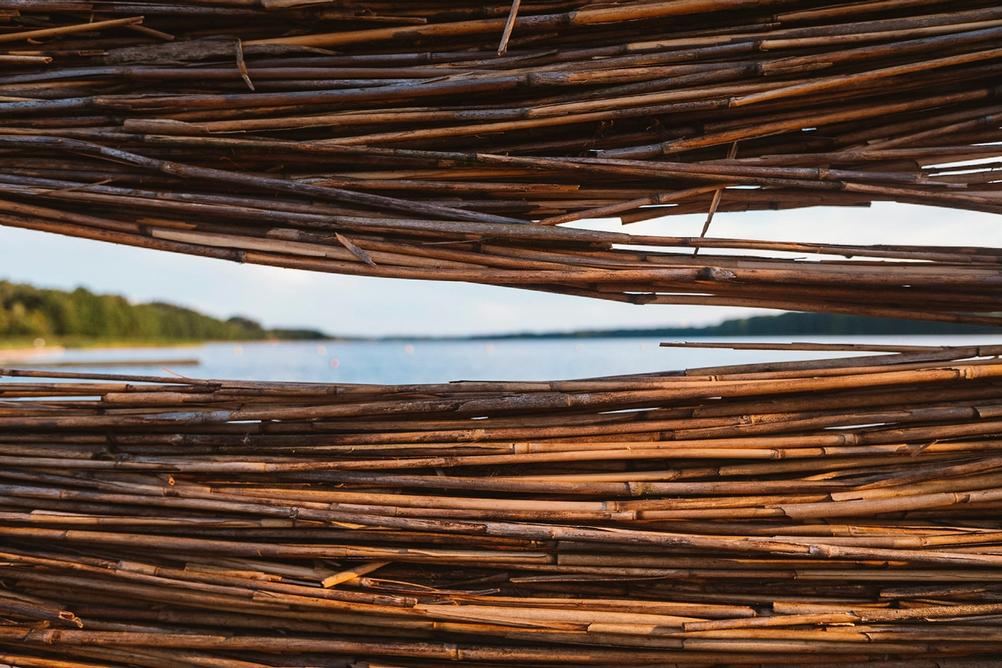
<point>784,324</point>
<point>29,312</point>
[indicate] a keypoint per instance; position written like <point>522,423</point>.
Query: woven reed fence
<point>841,511</point>
<point>446,140</point>
<point>835,511</point>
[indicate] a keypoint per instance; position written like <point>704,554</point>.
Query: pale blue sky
<point>374,306</point>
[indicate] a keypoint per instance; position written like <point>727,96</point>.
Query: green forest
<point>27,312</point>
<point>785,324</point>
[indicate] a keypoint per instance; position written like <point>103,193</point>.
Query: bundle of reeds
<point>835,511</point>
<point>444,140</point>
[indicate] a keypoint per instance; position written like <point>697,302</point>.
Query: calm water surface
<point>438,361</point>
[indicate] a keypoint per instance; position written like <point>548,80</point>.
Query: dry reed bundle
<point>841,511</point>
<point>392,139</point>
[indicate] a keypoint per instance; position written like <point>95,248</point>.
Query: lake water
<point>387,362</point>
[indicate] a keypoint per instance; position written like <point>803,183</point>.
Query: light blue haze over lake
<point>422,361</point>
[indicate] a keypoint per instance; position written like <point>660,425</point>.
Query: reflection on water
<point>437,361</point>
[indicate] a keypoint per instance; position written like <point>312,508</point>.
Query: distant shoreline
<point>35,320</point>
<point>784,325</point>
<point>7,347</point>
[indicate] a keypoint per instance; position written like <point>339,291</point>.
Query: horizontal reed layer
<point>836,511</point>
<point>448,140</point>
